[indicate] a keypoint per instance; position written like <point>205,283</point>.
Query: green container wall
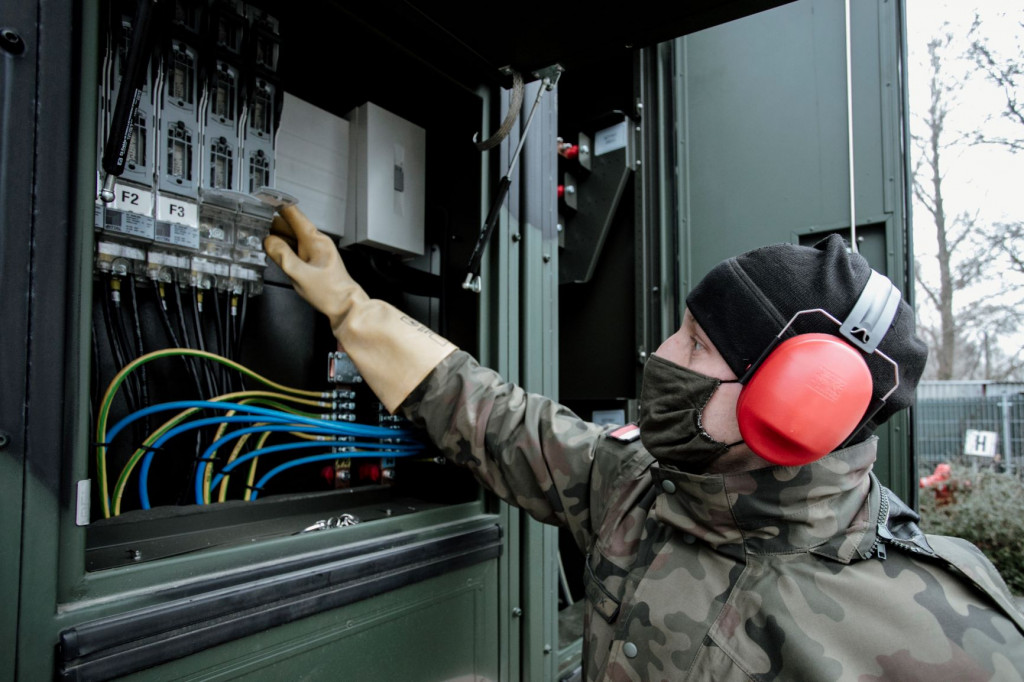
<point>751,114</point>
<point>761,136</point>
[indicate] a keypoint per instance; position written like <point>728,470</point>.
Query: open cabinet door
<point>371,567</point>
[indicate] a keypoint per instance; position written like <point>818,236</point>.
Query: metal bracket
<point>872,315</point>
<point>549,75</point>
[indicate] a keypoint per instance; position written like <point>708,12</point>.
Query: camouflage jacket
<point>800,573</point>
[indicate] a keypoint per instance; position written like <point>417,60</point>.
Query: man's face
<point>690,347</point>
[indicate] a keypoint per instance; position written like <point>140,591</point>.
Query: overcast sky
<point>984,179</point>
<point>982,175</point>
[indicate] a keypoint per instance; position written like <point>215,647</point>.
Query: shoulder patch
<point>625,434</point>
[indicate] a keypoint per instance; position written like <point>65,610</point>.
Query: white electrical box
<point>388,169</point>
<point>313,162</point>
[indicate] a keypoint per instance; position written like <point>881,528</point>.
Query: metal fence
<point>947,410</point>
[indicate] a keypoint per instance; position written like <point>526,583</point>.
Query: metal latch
<point>332,522</point>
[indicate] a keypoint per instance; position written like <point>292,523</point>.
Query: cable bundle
<point>262,413</point>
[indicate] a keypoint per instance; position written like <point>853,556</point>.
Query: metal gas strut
<point>119,136</point>
<point>549,78</point>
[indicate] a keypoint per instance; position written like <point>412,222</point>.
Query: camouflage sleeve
<point>529,450</point>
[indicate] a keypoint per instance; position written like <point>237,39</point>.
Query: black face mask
<point>672,403</point>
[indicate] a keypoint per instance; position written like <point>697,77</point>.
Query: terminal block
<point>264,97</point>
<point>223,68</point>
<point>341,369</point>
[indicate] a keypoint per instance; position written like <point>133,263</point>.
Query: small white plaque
<point>980,443</point>
<point>133,199</point>
<point>83,503</point>
<point>610,139</point>
<point>174,210</point>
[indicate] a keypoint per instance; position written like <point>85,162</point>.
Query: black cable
<point>229,328</point>
<point>189,362</point>
<point>241,324</point>
<point>96,378</point>
<point>112,340</point>
<point>128,351</point>
<point>181,318</point>
<point>230,313</point>
<point>161,304</point>
<point>243,309</point>
<point>140,348</point>
<point>187,339</point>
<point>211,380</point>
<point>192,367</point>
<point>121,347</point>
<point>221,349</point>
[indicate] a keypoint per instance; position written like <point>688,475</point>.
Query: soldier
<point>704,560</point>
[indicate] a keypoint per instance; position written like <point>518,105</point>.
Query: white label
<point>211,267</point>
<point>610,139</point>
<point>83,503</point>
<point>244,274</point>
<point>133,199</point>
<point>980,443</point>
<point>131,224</point>
<point>120,251</point>
<point>178,235</point>
<point>175,210</point>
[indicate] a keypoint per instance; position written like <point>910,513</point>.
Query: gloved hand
<point>392,351</point>
<point>314,266</point>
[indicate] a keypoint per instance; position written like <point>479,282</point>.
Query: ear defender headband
<point>811,393</point>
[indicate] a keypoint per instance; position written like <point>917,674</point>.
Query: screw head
<point>5,439</point>
<point>11,41</point>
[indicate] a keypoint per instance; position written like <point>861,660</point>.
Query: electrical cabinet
<point>140,542</point>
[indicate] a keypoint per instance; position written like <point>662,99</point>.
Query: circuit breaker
<point>186,328</point>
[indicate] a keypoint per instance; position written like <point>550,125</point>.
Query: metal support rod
<point>563,581</point>
<point>849,132</point>
<point>122,123</point>
<point>1007,435</point>
<point>472,282</point>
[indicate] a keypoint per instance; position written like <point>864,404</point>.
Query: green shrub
<point>988,510</point>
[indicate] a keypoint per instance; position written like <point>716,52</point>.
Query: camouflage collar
<point>827,507</point>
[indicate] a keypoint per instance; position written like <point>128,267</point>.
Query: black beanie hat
<point>744,302</point>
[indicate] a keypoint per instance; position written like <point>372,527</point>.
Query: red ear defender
<point>804,400</point>
<point>811,393</point>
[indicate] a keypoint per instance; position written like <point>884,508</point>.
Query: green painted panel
<point>439,629</point>
<point>10,531</point>
<point>539,373</point>
<point>763,137</point>
<point>766,126</point>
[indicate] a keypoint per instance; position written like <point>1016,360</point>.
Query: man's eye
<point>697,345</point>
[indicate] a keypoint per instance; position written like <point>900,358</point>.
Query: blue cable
<point>343,428</point>
<point>205,460</point>
<point>370,450</point>
<point>147,460</point>
<point>207,455</point>
<point>297,462</point>
<point>254,414</point>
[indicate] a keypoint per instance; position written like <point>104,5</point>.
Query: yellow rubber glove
<point>392,351</point>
